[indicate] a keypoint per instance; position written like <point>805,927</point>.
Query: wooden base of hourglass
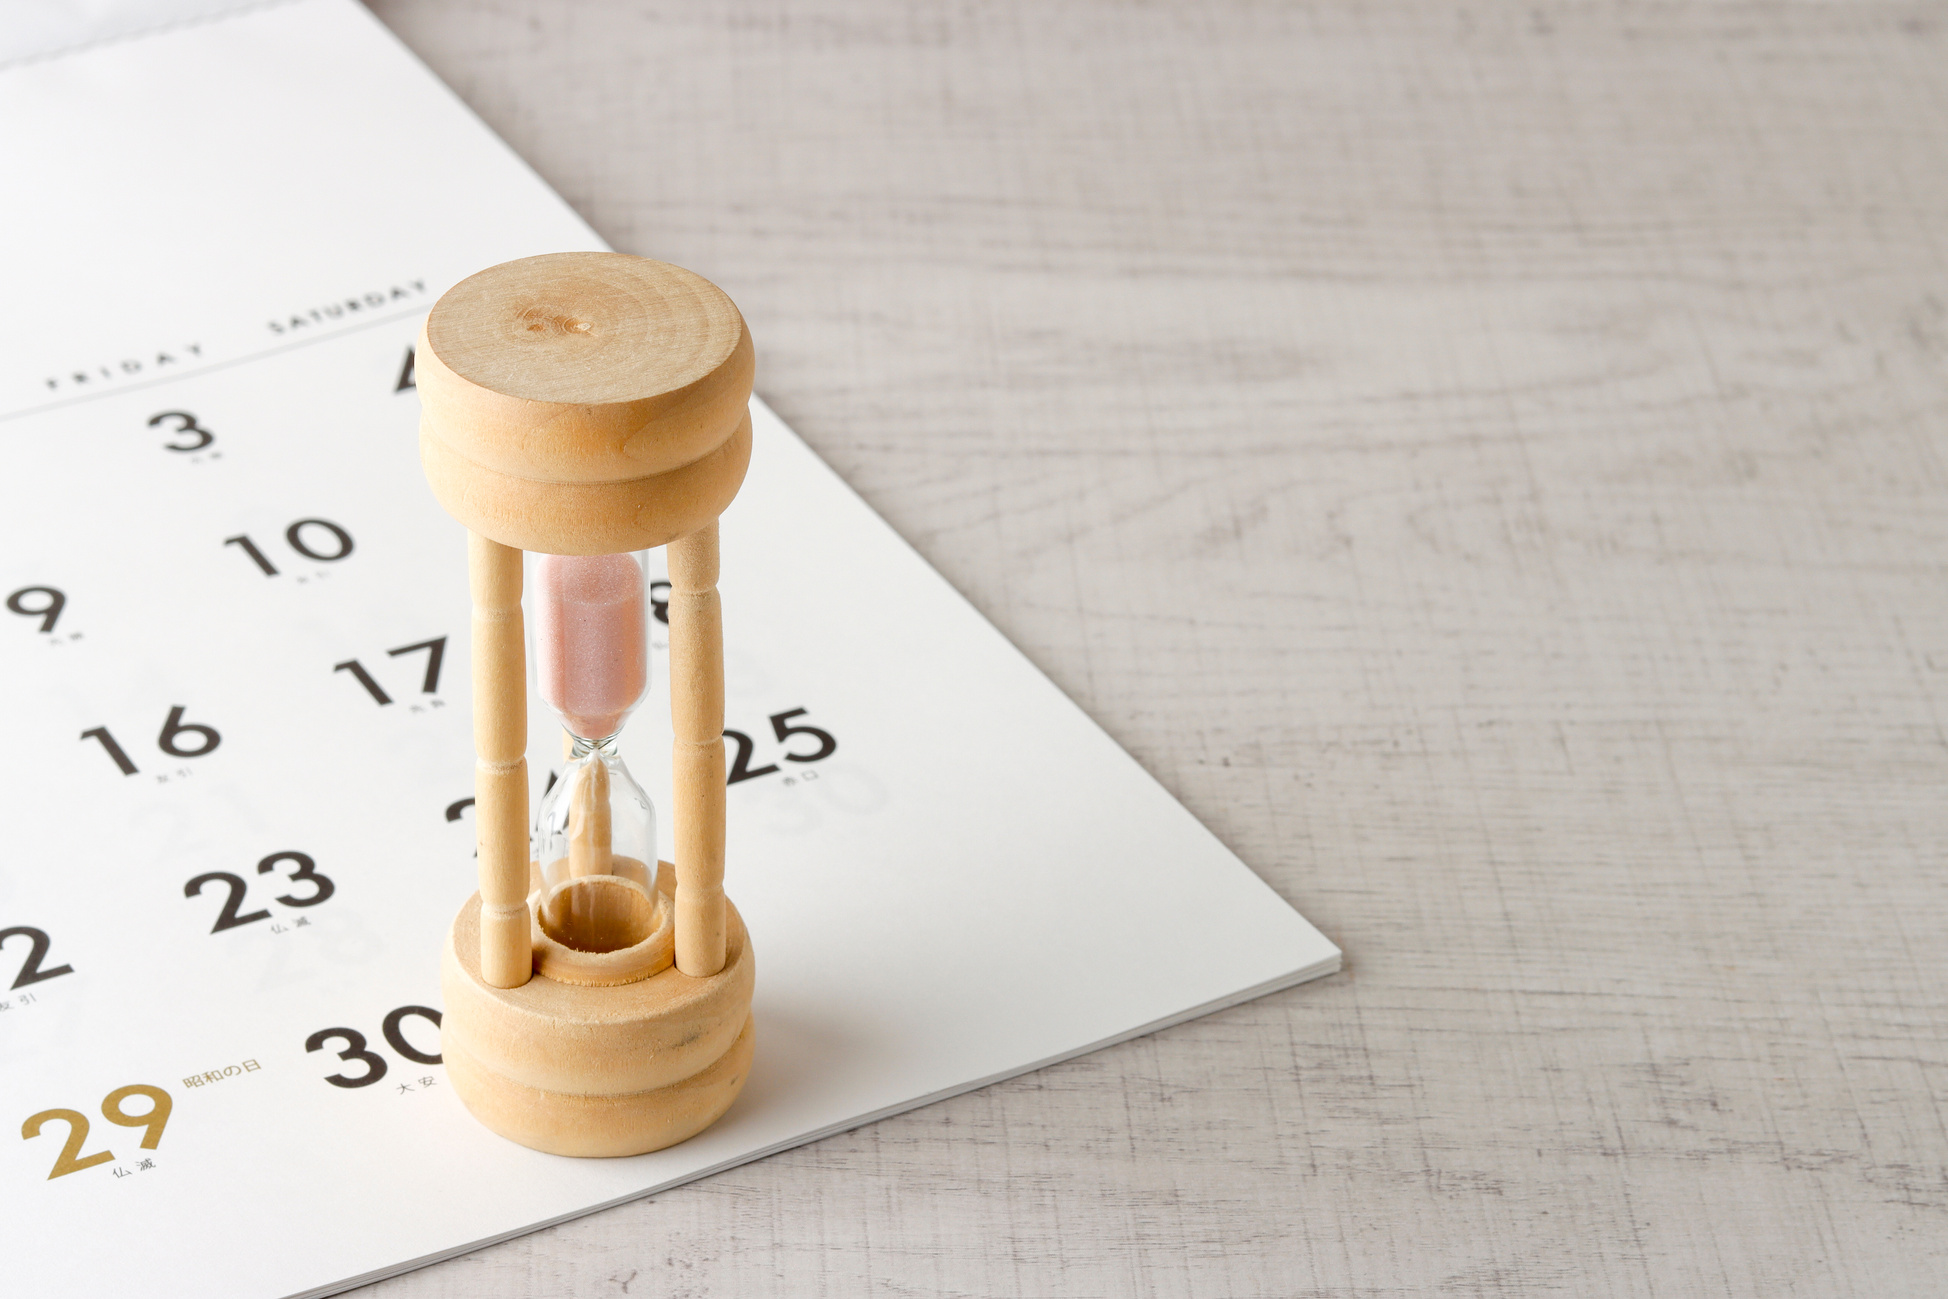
<point>591,404</point>
<point>573,1069</point>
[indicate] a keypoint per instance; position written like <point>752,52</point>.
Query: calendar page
<point>237,756</point>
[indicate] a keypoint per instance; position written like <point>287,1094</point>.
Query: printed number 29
<point>71,1160</point>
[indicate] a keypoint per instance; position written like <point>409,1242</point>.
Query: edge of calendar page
<point>211,11</point>
<point>1317,970</point>
<point>110,21</point>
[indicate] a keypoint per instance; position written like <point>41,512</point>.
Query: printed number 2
<point>30,969</point>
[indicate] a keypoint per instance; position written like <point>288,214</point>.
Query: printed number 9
<point>48,613</point>
<point>153,1120</point>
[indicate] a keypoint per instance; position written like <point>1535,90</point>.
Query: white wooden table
<point>1490,463</point>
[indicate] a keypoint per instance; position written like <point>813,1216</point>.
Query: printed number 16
<point>169,741</point>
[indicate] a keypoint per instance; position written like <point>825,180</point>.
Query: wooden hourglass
<point>587,406</point>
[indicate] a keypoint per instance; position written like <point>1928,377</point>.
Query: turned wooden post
<point>500,777</point>
<point>697,717</point>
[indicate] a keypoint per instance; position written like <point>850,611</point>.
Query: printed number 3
<point>375,1064</point>
<point>306,873</point>
<point>187,424</point>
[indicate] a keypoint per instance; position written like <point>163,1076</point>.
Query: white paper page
<point>219,240</point>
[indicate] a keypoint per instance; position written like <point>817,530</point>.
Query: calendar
<point>238,762</point>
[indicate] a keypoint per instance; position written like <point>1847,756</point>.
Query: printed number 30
<point>375,1064</point>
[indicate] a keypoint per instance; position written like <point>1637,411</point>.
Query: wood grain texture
<point>500,769</point>
<point>585,367</point>
<point>595,1071</point>
<point>697,788</point>
<point>1490,465</point>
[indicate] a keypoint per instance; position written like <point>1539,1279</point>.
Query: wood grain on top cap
<point>588,329</point>
<point>584,368</point>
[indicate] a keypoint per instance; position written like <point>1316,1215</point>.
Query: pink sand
<point>588,634</point>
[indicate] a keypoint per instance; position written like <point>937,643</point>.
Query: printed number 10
<point>294,536</point>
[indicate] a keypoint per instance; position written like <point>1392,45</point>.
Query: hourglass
<point>588,407</point>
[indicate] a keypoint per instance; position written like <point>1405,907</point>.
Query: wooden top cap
<point>585,329</point>
<point>625,378</point>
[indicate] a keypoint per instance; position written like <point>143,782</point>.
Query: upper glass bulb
<point>591,651</point>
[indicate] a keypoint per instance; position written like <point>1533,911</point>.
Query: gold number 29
<point>71,1160</point>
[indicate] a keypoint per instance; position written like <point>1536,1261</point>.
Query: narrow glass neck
<point>581,747</point>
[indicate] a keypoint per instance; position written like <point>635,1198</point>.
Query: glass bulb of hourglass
<point>592,661</point>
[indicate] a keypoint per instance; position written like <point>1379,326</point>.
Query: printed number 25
<point>781,726</point>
